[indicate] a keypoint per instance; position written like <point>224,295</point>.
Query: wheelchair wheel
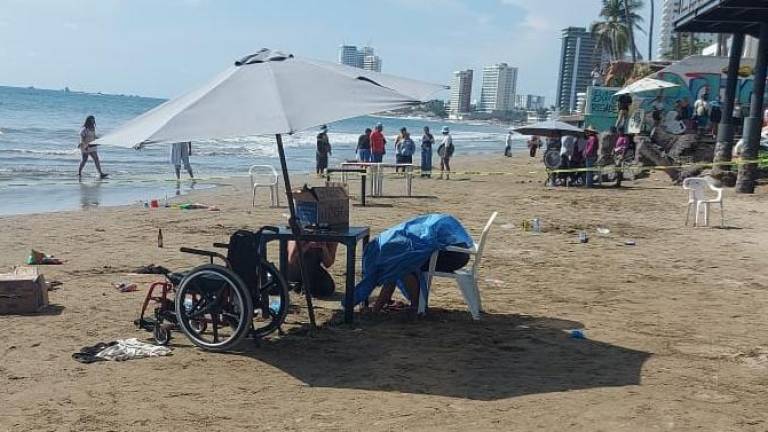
<point>270,301</point>
<point>213,307</point>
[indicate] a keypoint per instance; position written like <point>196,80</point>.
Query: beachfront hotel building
<point>529,102</point>
<point>578,57</point>
<point>364,58</point>
<point>461,92</point>
<point>669,10</point>
<point>499,87</point>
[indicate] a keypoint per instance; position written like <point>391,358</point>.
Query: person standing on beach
<point>180,152</point>
<point>378,144</point>
<point>533,144</point>
<point>364,146</point>
<point>590,155</point>
<point>427,140</point>
<point>323,150</point>
<point>445,151</point>
<point>508,142</point>
<point>398,145</point>
<point>405,150</point>
<point>624,102</point>
<point>87,149</point>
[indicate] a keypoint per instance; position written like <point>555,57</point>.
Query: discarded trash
<point>508,226</point>
<point>583,237</point>
<point>630,243</point>
<point>119,350</point>
<point>603,231</point>
<point>160,237</point>
<point>577,334</point>
<point>39,258</point>
<point>198,206</point>
<point>125,286</point>
<point>536,225</point>
<point>152,269</point>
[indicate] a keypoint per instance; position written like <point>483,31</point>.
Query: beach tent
<point>549,128</point>
<point>271,93</point>
<point>646,85</point>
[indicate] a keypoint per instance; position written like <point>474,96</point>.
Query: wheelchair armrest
<point>209,254</point>
<point>270,228</point>
<point>221,245</point>
<point>471,251</point>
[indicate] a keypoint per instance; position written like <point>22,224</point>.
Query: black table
<point>349,237</point>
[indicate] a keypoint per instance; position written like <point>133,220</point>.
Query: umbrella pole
<point>296,228</point>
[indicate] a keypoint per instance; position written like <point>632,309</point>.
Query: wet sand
<point>675,325</point>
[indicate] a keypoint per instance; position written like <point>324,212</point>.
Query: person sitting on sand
<point>318,257</point>
<point>619,152</point>
<point>399,257</point>
<point>87,148</point>
<point>180,152</point>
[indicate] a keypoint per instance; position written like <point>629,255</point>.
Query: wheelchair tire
<point>271,300</point>
<point>215,300</point>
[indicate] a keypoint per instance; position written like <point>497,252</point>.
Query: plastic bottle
<point>536,225</point>
<point>583,237</point>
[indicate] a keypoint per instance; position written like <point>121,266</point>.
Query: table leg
<point>284,258</point>
<point>362,187</point>
<point>366,239</point>
<point>349,294</point>
<point>409,181</point>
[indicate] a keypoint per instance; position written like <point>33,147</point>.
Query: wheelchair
<point>216,306</point>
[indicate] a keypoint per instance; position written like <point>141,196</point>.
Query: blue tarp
<point>403,249</point>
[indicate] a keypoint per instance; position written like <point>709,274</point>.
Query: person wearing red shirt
<point>378,144</point>
<point>590,155</point>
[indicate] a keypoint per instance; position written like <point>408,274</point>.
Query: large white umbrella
<point>549,128</point>
<point>646,85</point>
<point>272,93</point>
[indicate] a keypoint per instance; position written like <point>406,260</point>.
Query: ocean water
<point>39,156</point>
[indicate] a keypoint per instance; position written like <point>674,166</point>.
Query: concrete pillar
<point>724,147</point>
<point>745,182</point>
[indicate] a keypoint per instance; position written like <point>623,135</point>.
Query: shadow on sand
<point>448,354</point>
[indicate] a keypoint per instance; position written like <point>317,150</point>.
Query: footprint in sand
<point>713,396</point>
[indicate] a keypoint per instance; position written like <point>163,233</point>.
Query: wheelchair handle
<point>270,228</point>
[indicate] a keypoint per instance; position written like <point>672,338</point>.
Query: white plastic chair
<point>265,176</point>
<point>697,187</point>
<point>466,279</point>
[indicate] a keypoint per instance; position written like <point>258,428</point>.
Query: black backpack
<point>243,256</point>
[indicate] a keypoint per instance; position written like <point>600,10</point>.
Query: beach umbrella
<point>646,85</point>
<point>271,93</point>
<point>549,128</point>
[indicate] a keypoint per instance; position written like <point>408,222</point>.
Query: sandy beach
<point>675,325</point>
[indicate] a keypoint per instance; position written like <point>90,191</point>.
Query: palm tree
<point>650,31</point>
<point>615,33</point>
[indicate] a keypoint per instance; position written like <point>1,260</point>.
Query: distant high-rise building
<point>529,102</point>
<point>578,58</point>
<point>364,58</point>
<point>461,91</point>
<point>668,11</point>
<point>498,90</point>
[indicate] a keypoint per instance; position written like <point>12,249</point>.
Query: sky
<point>165,47</point>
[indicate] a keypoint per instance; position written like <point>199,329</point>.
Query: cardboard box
<point>23,291</point>
<point>324,206</point>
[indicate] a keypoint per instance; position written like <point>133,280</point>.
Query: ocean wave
<point>43,152</point>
